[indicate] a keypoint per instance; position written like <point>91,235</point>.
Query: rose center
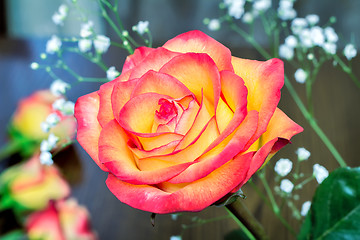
<point>165,117</point>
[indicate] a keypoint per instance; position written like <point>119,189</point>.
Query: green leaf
<point>335,210</point>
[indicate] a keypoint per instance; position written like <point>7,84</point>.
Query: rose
<point>30,185</point>
<point>61,220</point>
<point>184,124</point>
<point>33,111</point>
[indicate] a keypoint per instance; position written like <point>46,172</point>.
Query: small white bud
<point>286,186</point>
<point>68,108</point>
<point>53,119</point>
<point>305,208</point>
<point>112,73</point>
<point>303,154</point>
<point>141,27</point>
<point>286,52</point>
<point>320,173</point>
<point>101,43</point>
<point>34,65</point>
<point>350,51</point>
<point>84,45</point>
<point>52,140</point>
<point>300,76</point>
<point>45,127</point>
<point>214,25</point>
<point>53,45</point>
<point>58,87</point>
<point>283,166</point>
<point>46,158</point>
<point>58,104</point>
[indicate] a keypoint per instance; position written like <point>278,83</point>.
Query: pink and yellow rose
<point>31,185</point>
<point>32,111</point>
<point>185,124</point>
<point>61,220</point>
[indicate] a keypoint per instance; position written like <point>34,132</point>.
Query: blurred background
<point>25,26</point>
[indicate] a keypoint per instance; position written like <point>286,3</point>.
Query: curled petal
<point>264,81</point>
<point>115,154</point>
<point>208,190</point>
<point>88,132</point>
<point>198,42</point>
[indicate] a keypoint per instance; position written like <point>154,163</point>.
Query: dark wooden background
<point>336,101</point>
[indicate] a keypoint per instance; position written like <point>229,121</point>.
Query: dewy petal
<point>88,131</point>
<point>264,81</point>
<point>105,114</point>
<point>198,42</point>
<point>160,83</point>
<point>115,154</point>
<point>152,199</point>
<point>198,72</point>
<point>121,94</point>
<point>136,58</point>
<point>153,61</point>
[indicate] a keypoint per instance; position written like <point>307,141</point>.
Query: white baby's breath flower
<point>45,146</point>
<point>214,25</point>
<point>45,127</point>
<point>68,108</point>
<point>331,35</point>
<point>101,43</point>
<point>306,38</point>
<point>53,45</point>
<point>291,41</point>
<point>235,8</point>
<point>34,65</point>
<point>175,238</point>
<point>261,5</point>
<point>84,45</point>
<point>52,140</point>
<point>112,73</point>
<point>286,186</point>
<point>303,154</point>
<point>58,87</point>
<point>312,19</point>
<point>300,75</point>
<point>58,104</point>
<point>248,18</point>
<point>141,27</point>
<point>86,29</point>
<point>305,208</point>
<point>350,51</point>
<point>283,167</point>
<point>52,119</point>
<point>298,24</point>
<point>286,52</point>
<point>46,158</point>
<point>59,16</point>
<point>317,36</point>
<point>174,216</point>
<point>329,47</point>
<point>286,10</point>
<point>320,173</point>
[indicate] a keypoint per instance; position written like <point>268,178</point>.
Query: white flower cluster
<point>59,16</point>
<point>286,10</point>
<point>45,148</point>
<point>286,186</point>
<point>142,27</point>
<point>101,43</point>
<point>283,167</point>
<point>320,173</point>
<point>236,9</point>
<point>53,45</point>
<point>112,73</point>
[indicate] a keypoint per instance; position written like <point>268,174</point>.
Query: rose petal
<point>153,61</point>
<point>160,83</point>
<point>198,42</point>
<point>222,153</point>
<point>115,154</point>
<point>189,154</point>
<point>208,190</point>
<point>88,131</point>
<point>136,58</point>
<point>198,72</point>
<point>105,114</point>
<point>121,95</point>
<point>264,81</point>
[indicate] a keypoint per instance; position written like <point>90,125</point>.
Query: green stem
<point>274,205</point>
<point>300,185</point>
<point>10,148</point>
<point>246,220</point>
<point>347,70</point>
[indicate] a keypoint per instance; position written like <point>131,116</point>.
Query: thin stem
<point>241,225</point>
<point>274,205</point>
<point>347,70</point>
<point>242,213</point>
<point>300,185</point>
<point>9,149</point>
